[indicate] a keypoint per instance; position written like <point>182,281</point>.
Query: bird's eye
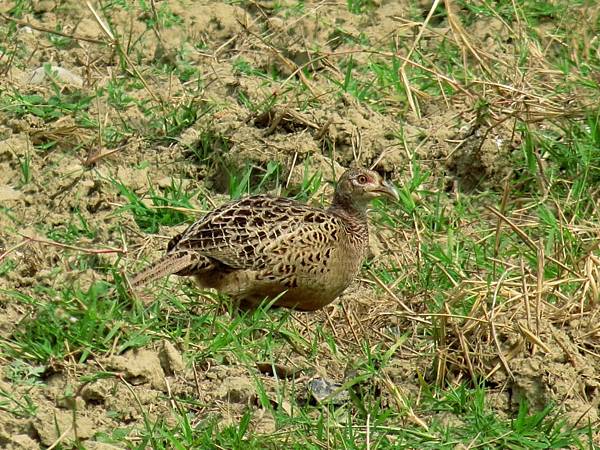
<point>362,179</point>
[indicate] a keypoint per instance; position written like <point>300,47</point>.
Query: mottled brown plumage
<point>262,246</point>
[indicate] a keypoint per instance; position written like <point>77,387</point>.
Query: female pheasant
<point>261,246</point>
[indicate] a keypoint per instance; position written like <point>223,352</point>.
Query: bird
<point>260,246</point>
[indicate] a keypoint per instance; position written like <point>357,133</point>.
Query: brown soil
<point>335,132</point>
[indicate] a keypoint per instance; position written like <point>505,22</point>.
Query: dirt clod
<point>236,390</point>
<point>170,359</point>
<point>51,424</point>
<point>140,367</point>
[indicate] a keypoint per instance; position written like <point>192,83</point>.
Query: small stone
<point>57,73</point>
<point>322,389</point>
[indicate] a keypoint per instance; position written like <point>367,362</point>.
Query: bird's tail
<point>168,265</point>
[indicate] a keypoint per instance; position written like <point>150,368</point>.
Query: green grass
<point>48,109</point>
<point>166,209</point>
<point>314,427</point>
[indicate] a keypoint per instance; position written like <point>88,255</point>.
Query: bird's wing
<point>260,231</point>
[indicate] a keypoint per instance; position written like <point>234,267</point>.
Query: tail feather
<point>165,266</point>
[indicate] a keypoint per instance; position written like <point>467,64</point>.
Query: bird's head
<point>357,187</point>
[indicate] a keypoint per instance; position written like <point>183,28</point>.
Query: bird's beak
<point>387,189</point>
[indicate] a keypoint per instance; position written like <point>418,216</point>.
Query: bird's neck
<point>346,207</point>
<point>349,212</point>
<point>354,217</point>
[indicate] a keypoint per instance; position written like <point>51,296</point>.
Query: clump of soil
<point>139,384</point>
